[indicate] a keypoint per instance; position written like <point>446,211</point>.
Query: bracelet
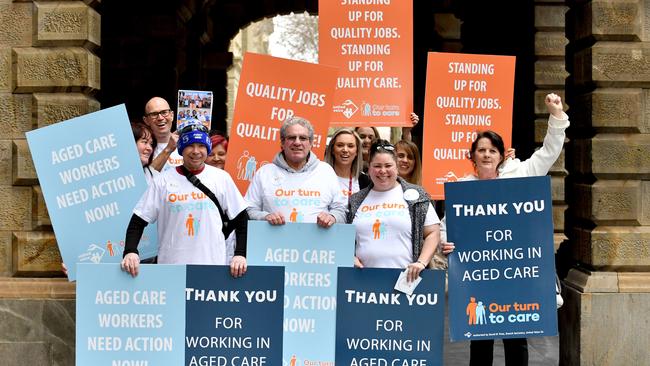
<point>425,266</point>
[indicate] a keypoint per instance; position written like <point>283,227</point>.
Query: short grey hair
<point>295,120</point>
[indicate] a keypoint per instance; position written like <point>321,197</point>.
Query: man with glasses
<point>159,117</point>
<point>189,223</point>
<point>297,186</point>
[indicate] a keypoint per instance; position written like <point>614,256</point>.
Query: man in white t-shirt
<point>159,117</point>
<point>189,223</point>
<point>297,186</point>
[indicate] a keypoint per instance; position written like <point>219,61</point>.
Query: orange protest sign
<point>270,90</point>
<point>372,44</point>
<point>464,94</point>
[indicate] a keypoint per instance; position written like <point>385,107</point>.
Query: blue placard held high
<point>91,177</point>
<point>501,275</point>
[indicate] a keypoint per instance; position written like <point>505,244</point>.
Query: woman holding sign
<point>396,225</point>
<point>487,154</point>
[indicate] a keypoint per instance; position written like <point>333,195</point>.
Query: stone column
<point>550,75</point>
<point>48,73</point>
<point>604,320</point>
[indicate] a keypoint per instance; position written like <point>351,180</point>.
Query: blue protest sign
<point>123,320</point>
<point>376,325</point>
<point>501,275</point>
<point>179,315</point>
<point>311,256</point>
<point>241,318</point>
<point>91,178</point>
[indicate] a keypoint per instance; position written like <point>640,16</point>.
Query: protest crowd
<point>360,173</point>
<point>207,195</point>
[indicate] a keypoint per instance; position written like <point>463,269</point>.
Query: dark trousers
<point>515,350</point>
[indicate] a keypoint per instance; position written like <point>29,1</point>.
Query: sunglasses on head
<point>193,127</point>
<point>386,147</point>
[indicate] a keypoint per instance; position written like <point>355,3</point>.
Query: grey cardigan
<point>417,210</point>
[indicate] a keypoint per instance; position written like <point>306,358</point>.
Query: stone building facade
<point>593,52</point>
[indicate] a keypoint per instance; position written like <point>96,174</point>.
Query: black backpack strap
<point>198,184</point>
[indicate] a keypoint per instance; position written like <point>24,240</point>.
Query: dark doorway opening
<point>153,48</point>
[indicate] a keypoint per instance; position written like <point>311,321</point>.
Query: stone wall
<point>550,75</point>
<point>608,57</point>
<point>48,73</point>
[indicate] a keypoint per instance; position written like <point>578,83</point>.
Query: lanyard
<point>350,189</point>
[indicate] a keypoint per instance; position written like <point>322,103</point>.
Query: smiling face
<point>158,116</point>
<point>296,146</point>
<point>486,158</point>
<point>367,136</point>
<point>383,171</point>
<point>217,157</point>
<point>194,156</point>
<point>145,147</point>
<point>344,149</point>
<point>405,163</point>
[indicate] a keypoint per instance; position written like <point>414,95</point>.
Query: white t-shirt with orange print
<point>189,225</point>
<point>383,227</point>
<point>348,186</point>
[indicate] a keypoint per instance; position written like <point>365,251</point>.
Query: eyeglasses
<point>165,113</point>
<point>193,127</point>
<point>301,138</point>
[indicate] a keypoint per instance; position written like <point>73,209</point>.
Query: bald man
<point>159,117</point>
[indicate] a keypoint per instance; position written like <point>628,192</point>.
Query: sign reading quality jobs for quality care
<point>464,94</point>
<point>271,90</point>
<point>372,44</point>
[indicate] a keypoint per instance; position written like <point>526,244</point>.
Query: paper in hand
<point>402,285</point>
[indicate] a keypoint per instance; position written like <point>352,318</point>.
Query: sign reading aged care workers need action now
<point>179,315</point>
<point>91,176</point>
<point>311,256</point>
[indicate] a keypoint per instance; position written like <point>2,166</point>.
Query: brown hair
<point>140,130</point>
<point>496,141</point>
<point>357,163</point>
<point>412,152</point>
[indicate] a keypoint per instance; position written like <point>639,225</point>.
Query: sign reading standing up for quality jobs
<point>372,44</point>
<point>464,94</point>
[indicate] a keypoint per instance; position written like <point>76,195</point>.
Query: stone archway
<point>153,47</point>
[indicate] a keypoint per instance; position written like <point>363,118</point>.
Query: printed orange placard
<point>372,44</point>
<point>464,94</point>
<point>270,90</point>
